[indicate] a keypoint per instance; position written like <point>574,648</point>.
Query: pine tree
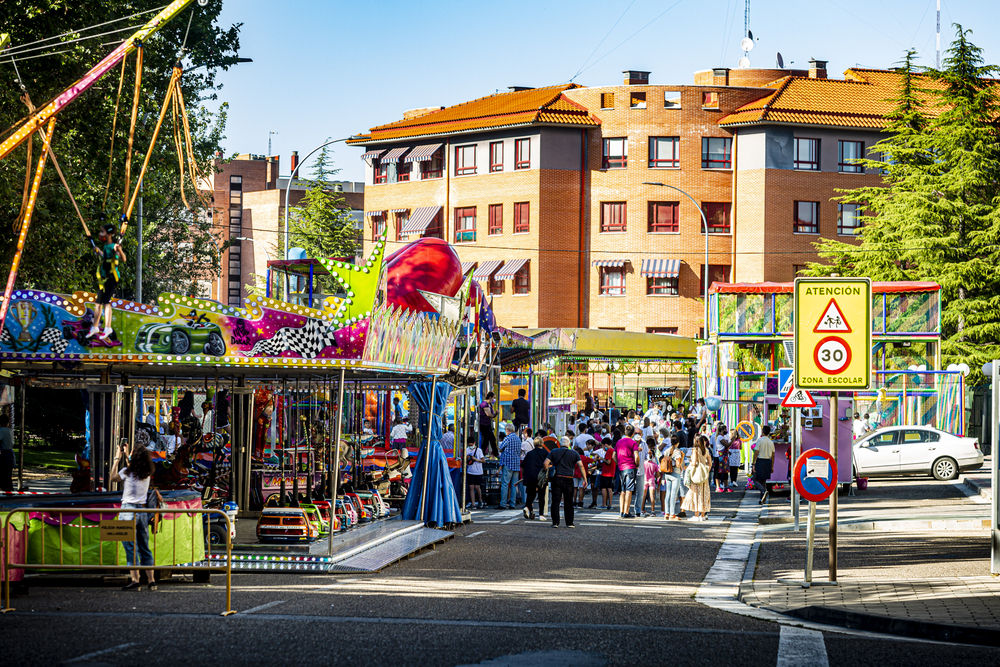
<point>935,215</point>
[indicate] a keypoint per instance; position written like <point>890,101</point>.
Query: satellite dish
<point>744,63</point>
<point>750,34</point>
<point>746,44</point>
<point>781,61</point>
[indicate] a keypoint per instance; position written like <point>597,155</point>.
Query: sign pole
<point>810,536</point>
<point>834,432</point>
<point>796,451</point>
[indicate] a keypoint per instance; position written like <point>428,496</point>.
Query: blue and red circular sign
<point>815,475</point>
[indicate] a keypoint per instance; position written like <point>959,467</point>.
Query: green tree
<point>322,223</point>
<point>178,247</point>
<point>935,217</point>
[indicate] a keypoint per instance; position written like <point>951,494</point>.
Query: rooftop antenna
<point>269,134</point>
<point>937,60</point>
<point>747,42</point>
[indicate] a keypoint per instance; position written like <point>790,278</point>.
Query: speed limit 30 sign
<point>832,333</point>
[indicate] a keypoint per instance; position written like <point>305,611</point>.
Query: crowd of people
<point>665,462</point>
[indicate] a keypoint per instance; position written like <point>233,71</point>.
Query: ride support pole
<point>335,480</point>
<point>427,451</point>
<point>834,433</point>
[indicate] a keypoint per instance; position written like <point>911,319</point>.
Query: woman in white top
<point>399,433</point>
<point>135,480</point>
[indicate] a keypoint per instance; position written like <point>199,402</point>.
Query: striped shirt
<point>510,452</point>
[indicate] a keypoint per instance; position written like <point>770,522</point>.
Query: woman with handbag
<point>699,499</point>
<point>135,478</point>
<point>672,470</point>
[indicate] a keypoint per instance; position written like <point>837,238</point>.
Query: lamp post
<point>288,187</point>
<point>704,222</point>
<point>266,255</point>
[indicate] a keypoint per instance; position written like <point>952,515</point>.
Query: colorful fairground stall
<point>751,338</point>
<point>270,399</point>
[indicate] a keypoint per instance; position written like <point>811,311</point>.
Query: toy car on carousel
<point>193,333</point>
<point>285,524</point>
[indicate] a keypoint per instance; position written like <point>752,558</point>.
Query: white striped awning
<point>467,266</point>
<point>374,214</point>
<point>372,154</point>
<point>610,263</point>
<point>510,269</point>
<point>487,269</point>
<point>420,220</point>
<point>422,153</point>
<point>398,210</point>
<point>661,268</point>
<point>394,154</point>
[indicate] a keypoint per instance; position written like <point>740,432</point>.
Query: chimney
<point>634,77</point>
<point>517,89</point>
<point>817,69</point>
<point>295,162</point>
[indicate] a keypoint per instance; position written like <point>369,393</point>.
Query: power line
<point>13,54</point>
<point>76,32</point>
<point>606,35</point>
<point>630,37</point>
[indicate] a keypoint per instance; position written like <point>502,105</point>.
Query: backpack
<point>666,464</point>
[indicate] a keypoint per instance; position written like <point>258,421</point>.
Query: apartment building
<point>562,200</point>
<point>249,203</point>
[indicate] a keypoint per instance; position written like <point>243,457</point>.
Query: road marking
<point>263,606</point>
<point>95,654</point>
<point>798,646</point>
<point>511,520</point>
<point>478,532</point>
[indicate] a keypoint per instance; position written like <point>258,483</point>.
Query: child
<point>110,253</point>
<point>735,448</point>
<point>651,470</point>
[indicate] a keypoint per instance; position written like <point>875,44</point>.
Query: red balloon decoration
<point>426,264</point>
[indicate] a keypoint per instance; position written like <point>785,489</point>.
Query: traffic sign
<point>832,333</point>
<point>785,380</point>
<point>815,475</point>
<point>798,398</point>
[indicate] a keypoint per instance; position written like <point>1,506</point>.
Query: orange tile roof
<point>523,107</point>
<point>861,99</point>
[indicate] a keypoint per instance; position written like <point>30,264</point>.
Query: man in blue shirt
<point>510,466</point>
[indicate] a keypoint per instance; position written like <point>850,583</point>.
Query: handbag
<point>700,473</point>
<point>154,501</point>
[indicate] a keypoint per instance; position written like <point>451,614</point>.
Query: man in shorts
<point>627,452</point>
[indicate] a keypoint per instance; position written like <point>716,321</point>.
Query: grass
<point>38,455</point>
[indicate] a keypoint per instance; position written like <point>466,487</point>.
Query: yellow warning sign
<point>833,333</point>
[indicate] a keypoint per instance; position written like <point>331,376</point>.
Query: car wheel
<point>179,342</point>
<point>215,346</point>
<point>945,469</point>
<point>216,534</point>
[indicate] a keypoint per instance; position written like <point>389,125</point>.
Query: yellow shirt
<point>764,448</point>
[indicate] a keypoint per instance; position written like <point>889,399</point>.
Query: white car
<point>915,450</point>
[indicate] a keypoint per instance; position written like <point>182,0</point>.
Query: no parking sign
<point>815,475</point>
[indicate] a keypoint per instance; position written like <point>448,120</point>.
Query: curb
<point>892,526</point>
<point>980,485</point>
<point>943,632</point>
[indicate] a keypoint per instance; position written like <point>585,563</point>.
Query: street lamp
<point>262,247</point>
<point>288,188</point>
<point>704,221</point>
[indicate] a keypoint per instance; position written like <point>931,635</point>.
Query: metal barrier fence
<point>80,565</point>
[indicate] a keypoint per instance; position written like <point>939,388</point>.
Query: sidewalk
<point>915,582</point>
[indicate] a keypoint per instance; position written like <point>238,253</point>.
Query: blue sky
<point>332,69</point>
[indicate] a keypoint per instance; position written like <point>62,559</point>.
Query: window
<point>662,330</point>
<point>521,217</point>
<point>848,219</point>
<point>709,100</point>
<point>638,100</point>
<point>522,280</point>
<point>798,270</point>
<point>806,217</point>
<point>434,167</point>
<point>465,225</point>
<point>607,100</point>
<point>496,219</point>
<point>496,286</point>
<point>847,152</point>
<point>718,217</point>
<point>807,154</point>
<point>612,281</point>
<point>380,172</point>
<point>615,154</point>
<point>496,156</point>
<point>378,226</point>
<point>717,273</point>
<point>663,217</point>
<point>465,160</point>
<point>667,286</point>
<point>522,154</point>
<point>716,153</point>
<point>403,171</point>
<point>613,216</point>
<point>236,191</point>
<point>401,219</point>
<point>435,229</point>
<point>664,152</point>
<point>671,99</point>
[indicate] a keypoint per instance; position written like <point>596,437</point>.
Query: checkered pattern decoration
<point>307,341</point>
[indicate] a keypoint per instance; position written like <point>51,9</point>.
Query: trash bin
<point>491,482</point>
<point>862,483</point>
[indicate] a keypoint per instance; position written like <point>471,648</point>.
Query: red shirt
<point>585,460</point>
<point>608,465</point>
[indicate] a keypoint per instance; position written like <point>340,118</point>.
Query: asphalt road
<point>609,592</point>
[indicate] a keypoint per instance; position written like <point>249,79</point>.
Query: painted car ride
<point>192,334</point>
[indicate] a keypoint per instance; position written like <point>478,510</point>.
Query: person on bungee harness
<point>111,254</point>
